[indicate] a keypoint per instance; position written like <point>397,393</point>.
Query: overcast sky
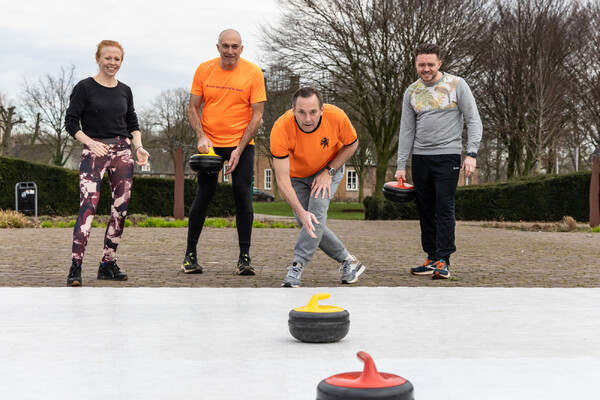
<point>164,41</point>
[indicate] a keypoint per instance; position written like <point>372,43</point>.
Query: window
<point>146,167</point>
<point>351,180</point>
<point>225,177</point>
<point>267,179</point>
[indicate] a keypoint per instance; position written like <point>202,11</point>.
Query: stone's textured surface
<point>319,327</point>
<point>209,163</point>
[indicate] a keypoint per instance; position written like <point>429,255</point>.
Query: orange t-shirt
<point>310,152</point>
<point>227,96</point>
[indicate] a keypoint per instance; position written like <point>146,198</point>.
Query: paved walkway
<point>152,257</point>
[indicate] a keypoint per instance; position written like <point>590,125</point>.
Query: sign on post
<point>26,198</point>
<point>595,190</point>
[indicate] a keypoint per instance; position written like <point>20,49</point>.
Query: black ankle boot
<point>74,278</point>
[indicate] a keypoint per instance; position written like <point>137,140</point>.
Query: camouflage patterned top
<point>433,116</point>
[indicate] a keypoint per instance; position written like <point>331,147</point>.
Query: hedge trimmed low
<point>58,191</point>
<point>540,198</point>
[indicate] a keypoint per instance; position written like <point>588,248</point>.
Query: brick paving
<point>152,257</point>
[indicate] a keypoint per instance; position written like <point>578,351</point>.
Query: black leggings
<point>241,184</point>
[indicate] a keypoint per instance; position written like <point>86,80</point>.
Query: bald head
<point>230,48</point>
<point>230,34</point>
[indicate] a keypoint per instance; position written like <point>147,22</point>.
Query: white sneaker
<point>292,279</point>
<point>351,270</point>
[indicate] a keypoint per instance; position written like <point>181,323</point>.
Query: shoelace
<point>114,265</point>
<point>73,270</point>
<point>295,270</point>
<point>346,266</point>
<point>440,265</point>
<point>427,262</point>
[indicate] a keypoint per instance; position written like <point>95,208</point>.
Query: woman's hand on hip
<point>98,148</point>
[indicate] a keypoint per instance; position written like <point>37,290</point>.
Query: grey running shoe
<point>292,279</point>
<point>190,264</point>
<point>351,270</point>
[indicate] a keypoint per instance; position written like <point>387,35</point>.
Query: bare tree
<point>8,119</point>
<point>168,120</point>
<point>281,83</point>
<point>359,53</point>
<point>362,159</point>
<point>585,68</point>
<point>556,38</point>
<point>524,85</point>
<point>46,104</point>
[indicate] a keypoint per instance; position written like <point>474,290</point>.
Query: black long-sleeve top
<point>100,111</point>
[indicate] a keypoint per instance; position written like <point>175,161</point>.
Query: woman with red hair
<point>101,115</point>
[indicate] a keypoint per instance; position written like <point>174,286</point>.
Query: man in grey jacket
<point>434,111</point>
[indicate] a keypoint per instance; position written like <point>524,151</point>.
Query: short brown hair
<point>109,43</point>
<point>306,92</point>
<point>428,48</point>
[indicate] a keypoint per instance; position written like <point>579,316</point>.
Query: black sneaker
<point>111,272</point>
<point>243,266</point>
<point>74,278</point>
<point>426,269</point>
<point>190,264</point>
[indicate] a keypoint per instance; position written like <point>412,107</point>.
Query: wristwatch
<point>472,154</point>
<point>331,170</point>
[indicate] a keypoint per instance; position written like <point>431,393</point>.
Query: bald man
<point>225,111</point>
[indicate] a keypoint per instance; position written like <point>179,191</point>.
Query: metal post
<point>595,190</point>
<point>178,198</point>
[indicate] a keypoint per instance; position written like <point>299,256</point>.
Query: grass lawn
<point>346,211</point>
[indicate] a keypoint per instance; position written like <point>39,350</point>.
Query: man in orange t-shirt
<point>225,111</point>
<point>310,145</point>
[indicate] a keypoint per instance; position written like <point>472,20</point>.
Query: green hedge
<point>541,198</point>
<point>58,191</point>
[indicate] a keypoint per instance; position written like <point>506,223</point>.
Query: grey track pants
<point>326,240</point>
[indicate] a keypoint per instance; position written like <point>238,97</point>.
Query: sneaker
<point>110,271</point>
<point>243,266</point>
<point>425,269</point>
<point>292,279</point>
<point>441,270</point>
<point>190,264</point>
<point>351,270</point>
<point>74,278</point>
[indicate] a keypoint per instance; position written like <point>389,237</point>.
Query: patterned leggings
<point>118,162</point>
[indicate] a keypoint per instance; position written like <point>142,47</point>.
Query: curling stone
<point>368,384</point>
<point>399,192</point>
<point>209,163</point>
<point>319,324</point>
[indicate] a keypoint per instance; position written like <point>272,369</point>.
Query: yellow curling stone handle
<point>211,152</point>
<point>314,307</point>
